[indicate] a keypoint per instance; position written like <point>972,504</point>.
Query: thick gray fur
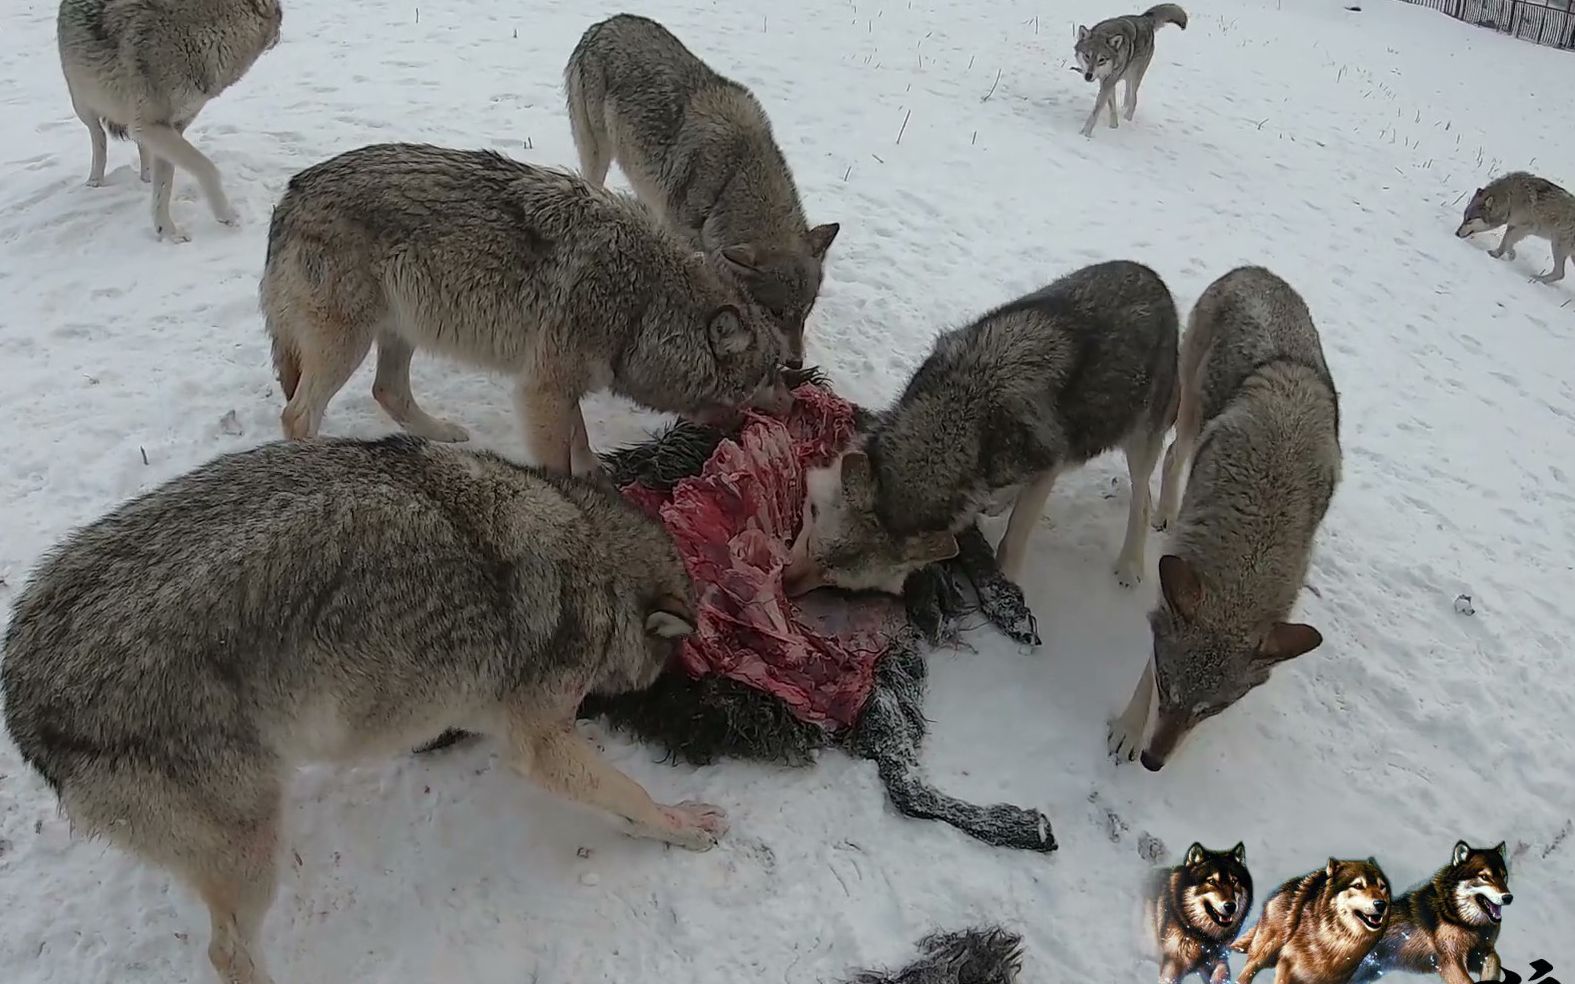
<point>1260,421</point>
<point>698,150</point>
<point>1525,205</point>
<point>508,266</point>
<point>144,69</point>
<point>1000,407</point>
<point>1120,49</point>
<point>170,663</point>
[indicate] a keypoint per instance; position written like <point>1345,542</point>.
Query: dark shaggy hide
<point>699,719</point>
<point>974,956</point>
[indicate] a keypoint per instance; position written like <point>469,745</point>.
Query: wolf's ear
<point>1487,201</point>
<point>1239,852</point>
<point>727,333</point>
<point>1501,851</point>
<point>1116,42</point>
<point>1179,583</point>
<point>1462,851</point>
<point>821,238</point>
<point>858,479</point>
<point>1194,854</point>
<point>1329,869</point>
<point>930,548</point>
<point>1082,32</point>
<point>742,258</point>
<point>1288,640</point>
<point>669,618</point>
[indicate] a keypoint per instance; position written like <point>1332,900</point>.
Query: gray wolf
<point>169,664</point>
<point>1318,928</point>
<point>1001,407</point>
<point>144,69</point>
<point>698,150</point>
<point>511,267</point>
<point>1119,49</point>
<point>1197,909</point>
<point>1527,206</point>
<point>1449,925</point>
<point>1260,414</point>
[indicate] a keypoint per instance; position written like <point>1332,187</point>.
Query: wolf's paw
<point>170,232</point>
<point>1123,745</point>
<point>696,826</point>
<point>94,181</point>
<point>227,216</point>
<point>1129,573</point>
<point>1159,524</point>
<point>447,433</point>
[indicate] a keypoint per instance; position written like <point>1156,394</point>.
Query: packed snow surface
<point>1335,146</point>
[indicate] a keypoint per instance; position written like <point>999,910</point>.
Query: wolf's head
<point>1487,210</point>
<point>1216,889</point>
<point>784,280</point>
<point>842,542</point>
<point>1205,660</point>
<point>1099,52</point>
<point>1360,893</point>
<point>1477,881</point>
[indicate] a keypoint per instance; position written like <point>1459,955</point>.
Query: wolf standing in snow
<point>168,665</point>
<point>1527,206</point>
<point>145,68</point>
<point>1318,929</point>
<point>1450,924</point>
<point>698,150</point>
<point>999,409</point>
<point>1119,49</point>
<point>512,267</point>
<point>1259,408</point>
<point>1196,909</point>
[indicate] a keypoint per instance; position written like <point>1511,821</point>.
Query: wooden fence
<point>1549,22</point>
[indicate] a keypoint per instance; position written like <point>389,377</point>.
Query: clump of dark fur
<point>982,955</point>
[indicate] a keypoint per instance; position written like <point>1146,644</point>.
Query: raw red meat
<point>733,524</point>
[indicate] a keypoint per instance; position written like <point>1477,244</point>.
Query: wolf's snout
<point>1379,905</point>
<point>1088,76</point>
<point>1507,899</point>
<point>1229,908</point>
<point>1154,763</point>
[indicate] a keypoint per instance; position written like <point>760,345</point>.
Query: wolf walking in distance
<point>144,69</point>
<point>169,664</point>
<point>1318,929</point>
<point>1119,49</point>
<point>998,410</point>
<point>698,150</point>
<point>1525,205</point>
<point>516,268</point>
<point>1259,408</point>
<point>1196,909</point>
<point>1449,925</point>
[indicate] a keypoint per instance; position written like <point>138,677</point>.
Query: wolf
<point>1528,206</point>
<point>1119,49</point>
<point>698,149</point>
<point>1001,407</point>
<point>1260,414</point>
<point>1196,909</point>
<point>516,268</point>
<point>144,69</point>
<point>1317,929</point>
<point>1449,925</point>
<point>168,665</point>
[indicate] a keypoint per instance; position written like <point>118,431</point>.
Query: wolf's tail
<point>584,95</point>
<point>1167,13</point>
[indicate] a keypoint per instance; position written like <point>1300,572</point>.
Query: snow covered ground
<point>1333,146</point>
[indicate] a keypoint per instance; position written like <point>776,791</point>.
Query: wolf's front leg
<point>1491,966</point>
<point>1099,100</point>
<point>1125,738</point>
<point>1506,246</point>
<point>559,759</point>
<point>547,414</point>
